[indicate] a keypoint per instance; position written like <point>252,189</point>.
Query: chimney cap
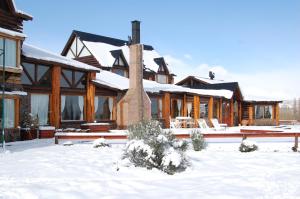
<point>135,21</point>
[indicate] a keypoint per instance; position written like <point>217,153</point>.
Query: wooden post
<point>218,110</point>
<point>17,112</point>
<point>55,97</point>
<point>221,111</point>
<point>240,107</point>
<point>231,112</point>
<point>90,97</point>
<point>274,111</point>
<point>210,109</point>
<point>250,116</point>
<point>184,106</point>
<point>166,109</point>
<point>277,114</point>
<point>196,109</point>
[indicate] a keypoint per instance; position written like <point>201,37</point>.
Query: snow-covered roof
<point>209,81</point>
<point>20,11</point>
<point>12,33</point>
<point>102,52</point>
<point>250,98</point>
<point>115,81</point>
<point>41,54</point>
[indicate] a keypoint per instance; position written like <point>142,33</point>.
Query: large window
<point>9,113</point>
<point>72,107</point>
<point>104,107</point>
<point>10,52</point>
<point>36,74</point>
<point>156,107</point>
<point>72,79</point>
<point>263,112</point>
<point>176,108</point>
<point>203,110</point>
<point>40,107</point>
<point>163,79</point>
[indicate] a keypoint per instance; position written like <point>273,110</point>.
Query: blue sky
<point>256,37</point>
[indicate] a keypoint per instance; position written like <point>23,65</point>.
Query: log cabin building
<point>246,110</point>
<point>86,82</point>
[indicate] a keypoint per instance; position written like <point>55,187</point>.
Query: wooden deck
<point>123,136</point>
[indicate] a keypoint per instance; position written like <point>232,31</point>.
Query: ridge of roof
<point>85,36</point>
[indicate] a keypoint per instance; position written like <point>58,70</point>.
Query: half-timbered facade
<point>113,55</point>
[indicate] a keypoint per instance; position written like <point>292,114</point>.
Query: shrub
<point>248,146</point>
<point>100,142</point>
<point>151,147</point>
<point>198,141</point>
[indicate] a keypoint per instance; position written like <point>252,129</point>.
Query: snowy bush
<point>248,146</point>
<point>198,141</point>
<point>149,146</point>
<point>100,142</point>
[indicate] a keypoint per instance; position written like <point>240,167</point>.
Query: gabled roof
<point>203,80</point>
<point>12,6</point>
<point>39,54</point>
<point>101,48</point>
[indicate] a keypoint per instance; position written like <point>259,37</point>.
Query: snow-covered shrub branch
<point>151,147</point>
<point>198,140</point>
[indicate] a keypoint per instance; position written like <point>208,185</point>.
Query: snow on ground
<point>40,169</point>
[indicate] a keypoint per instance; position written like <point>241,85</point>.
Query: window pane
<point>259,112</point>
<point>119,72</point>
<point>68,75</point>
<point>9,113</point>
<point>40,107</point>
<point>1,50</point>
<point>103,109</point>
<point>25,79</point>
<point>41,70</point>
<point>154,108</point>
<point>267,113</point>
<point>78,76</point>
<point>204,110</point>
<point>30,68</point>
<point>162,79</point>
<point>10,52</point>
<point>72,107</point>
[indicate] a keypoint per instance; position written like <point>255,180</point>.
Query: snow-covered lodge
<point>86,83</point>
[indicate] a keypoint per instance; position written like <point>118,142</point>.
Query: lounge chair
<point>202,124</point>
<point>217,125</point>
<point>175,124</point>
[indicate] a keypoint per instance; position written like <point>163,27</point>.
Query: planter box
<point>46,131</point>
<point>97,127</point>
<point>28,134</point>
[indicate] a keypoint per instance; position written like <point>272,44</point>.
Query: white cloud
<point>187,56</point>
<point>277,84</point>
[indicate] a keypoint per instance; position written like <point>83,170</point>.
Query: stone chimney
<point>135,106</point>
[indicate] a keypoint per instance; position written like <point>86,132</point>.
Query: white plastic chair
<point>217,125</point>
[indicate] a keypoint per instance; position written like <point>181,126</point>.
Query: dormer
<point>120,65</point>
<point>162,75</point>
